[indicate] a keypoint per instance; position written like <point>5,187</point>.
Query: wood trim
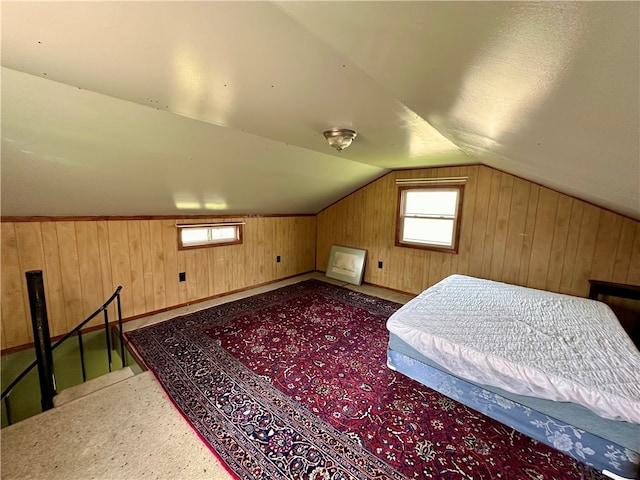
<point>457,222</point>
<point>431,181</point>
<point>18,219</point>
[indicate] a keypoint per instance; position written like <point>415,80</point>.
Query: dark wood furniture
<point>621,290</point>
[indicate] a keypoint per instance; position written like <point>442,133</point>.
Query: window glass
<point>431,202</point>
<point>209,235</point>
<point>429,217</point>
<point>428,230</point>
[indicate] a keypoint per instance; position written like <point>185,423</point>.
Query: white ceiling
<point>161,108</point>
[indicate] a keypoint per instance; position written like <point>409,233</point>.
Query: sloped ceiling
<point>161,108</point>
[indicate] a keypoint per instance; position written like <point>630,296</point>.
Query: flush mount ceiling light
<point>340,138</point>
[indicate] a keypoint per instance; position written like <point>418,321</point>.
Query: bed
<point>558,368</point>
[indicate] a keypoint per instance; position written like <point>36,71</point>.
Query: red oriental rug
<point>293,384</point>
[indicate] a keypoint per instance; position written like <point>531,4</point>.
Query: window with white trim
<point>209,235</point>
<point>429,217</point>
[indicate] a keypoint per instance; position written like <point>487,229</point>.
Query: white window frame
<point>400,221</point>
<point>212,241</point>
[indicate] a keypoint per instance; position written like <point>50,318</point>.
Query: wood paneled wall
<point>84,261</point>
<point>513,231</point>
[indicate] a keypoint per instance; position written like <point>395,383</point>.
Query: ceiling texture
<point>218,108</point>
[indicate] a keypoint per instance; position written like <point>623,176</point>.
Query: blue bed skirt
<point>602,454</point>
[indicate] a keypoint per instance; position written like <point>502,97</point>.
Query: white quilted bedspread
<point>526,341</point>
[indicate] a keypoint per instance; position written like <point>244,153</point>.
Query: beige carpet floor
<point>129,430</point>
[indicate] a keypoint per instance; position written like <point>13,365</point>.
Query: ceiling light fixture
<point>340,138</point>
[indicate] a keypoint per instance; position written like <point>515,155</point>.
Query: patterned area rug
<point>293,384</point>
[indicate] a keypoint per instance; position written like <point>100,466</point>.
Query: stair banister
<point>42,340</point>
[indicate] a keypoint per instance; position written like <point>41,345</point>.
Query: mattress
<point>526,341</point>
<point>613,448</point>
<point>624,434</point>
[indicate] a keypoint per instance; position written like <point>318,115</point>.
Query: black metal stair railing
<point>43,345</point>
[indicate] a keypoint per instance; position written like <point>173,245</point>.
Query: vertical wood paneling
<point>586,248</point>
<point>426,268</point>
<point>283,246</point>
<point>236,266</point>
<point>516,230</point>
<point>269,226</point>
<point>492,219</point>
<point>147,265</point>
<point>387,229</point>
<point>532,209</point>
<point>483,191</point>
<point>559,243</point>
<point>157,265</point>
<point>89,266</point>
<point>252,259</point>
<point>202,274</point>
<point>542,240</point>
<point>305,243</point>
<point>395,266</point>
<point>257,254</point>
<point>607,239</point>
<point>121,264</point>
<point>182,266</point>
<point>573,238</point>
<point>31,252</point>
<point>468,213</point>
<point>196,281</point>
<point>53,279</point>
<point>512,231</point>
<point>368,234</point>
<point>70,269</point>
<point>415,268</point>
<point>211,281</point>
<point>16,323</point>
<point>624,250</point>
<point>137,266</point>
<point>105,259</point>
<point>170,247</point>
<point>502,225</point>
<point>222,284</point>
<point>83,262</point>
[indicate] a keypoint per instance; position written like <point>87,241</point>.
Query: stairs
<point>90,386</point>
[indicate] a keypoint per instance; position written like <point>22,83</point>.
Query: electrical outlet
<point>278,259</point>
<point>182,276</point>
<point>379,264</point>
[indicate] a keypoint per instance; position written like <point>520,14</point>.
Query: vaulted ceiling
<point>163,108</point>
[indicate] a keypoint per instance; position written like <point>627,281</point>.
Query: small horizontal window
<point>429,217</point>
<point>209,235</point>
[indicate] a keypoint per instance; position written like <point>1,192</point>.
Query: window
<point>429,217</point>
<point>209,235</point>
